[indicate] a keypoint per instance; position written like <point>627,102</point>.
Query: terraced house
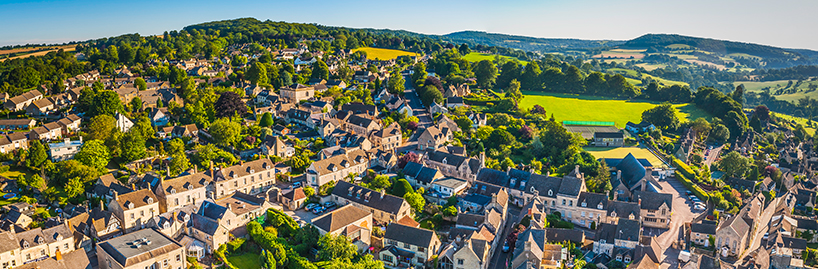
<point>406,245</point>
<point>252,178</point>
<point>337,167</point>
<point>452,165</point>
<point>182,191</point>
<point>385,208</point>
<point>135,208</point>
<point>147,248</point>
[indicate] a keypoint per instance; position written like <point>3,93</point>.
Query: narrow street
<point>499,258</point>
<point>682,212</point>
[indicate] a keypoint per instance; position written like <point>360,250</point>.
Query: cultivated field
<point>801,90</point>
<point>798,120</point>
<point>621,54</point>
<point>592,108</point>
<point>476,57</point>
<point>634,78</point>
<point>384,54</point>
<point>619,153</point>
<point>39,53</point>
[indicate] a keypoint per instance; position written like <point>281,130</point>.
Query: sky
<point>780,23</point>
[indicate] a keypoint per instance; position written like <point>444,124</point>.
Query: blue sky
<point>783,23</point>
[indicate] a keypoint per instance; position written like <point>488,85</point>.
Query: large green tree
<point>336,247</point>
<point>513,91</point>
<point>662,116</point>
<point>101,127</point>
<point>37,155</point>
<point>320,70</point>
<point>257,74</point>
<point>106,102</point>
<point>486,73</point>
<point>93,153</point>
<point>735,165</point>
<point>415,201</point>
<point>133,145</point>
<point>401,188</point>
<point>225,132</point>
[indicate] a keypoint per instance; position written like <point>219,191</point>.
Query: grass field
<point>246,260</point>
<point>651,67</point>
<point>801,90</point>
<point>13,172</point>
<point>593,108</point>
<point>798,120</point>
<point>677,46</point>
<point>621,54</point>
<point>618,153</point>
<point>476,57</point>
<point>384,54</point>
<point>632,75</point>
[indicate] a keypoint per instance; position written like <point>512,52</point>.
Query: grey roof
<point>609,135</point>
<point>703,228</point>
<point>794,243</point>
<point>561,235</point>
<point>451,159</point>
<point>427,175</point>
<point>370,198</point>
<point>807,224</point>
<point>632,170</point>
<point>653,200</point>
<point>571,186</point>
<point>492,176</point>
<point>477,199</point>
<point>470,220</point>
<point>605,231</point>
<point>741,184</point>
<point>124,251</point>
<point>628,229</point>
<point>212,210</point>
<point>412,169</point>
<point>407,234</point>
<point>593,200</point>
<point>206,225</point>
<point>624,209</point>
<point>451,182</point>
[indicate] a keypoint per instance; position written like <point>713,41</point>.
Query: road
<point>424,118</point>
<point>499,258</point>
<point>682,212</point>
<point>714,154</point>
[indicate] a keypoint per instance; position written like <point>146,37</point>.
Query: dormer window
<point>584,204</point>
<point>513,181</point>
<point>172,191</point>
<point>550,193</point>
<point>25,244</point>
<point>522,185</point>
<point>599,206</point>
<point>150,200</point>
<point>130,205</point>
<point>613,214</point>
<point>631,216</point>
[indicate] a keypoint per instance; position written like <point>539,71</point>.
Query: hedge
<point>691,186</point>
<point>686,170</point>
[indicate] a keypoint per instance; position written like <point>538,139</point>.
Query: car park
<point>329,204</point>
<point>311,206</point>
<point>699,207</point>
<point>319,210</point>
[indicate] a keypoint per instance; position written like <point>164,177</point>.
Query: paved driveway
<point>682,212</point>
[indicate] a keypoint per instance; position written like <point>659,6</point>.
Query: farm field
<point>622,54</point>
<point>651,67</point>
<point>618,153</point>
<point>384,54</point>
<point>632,74</point>
<point>797,120</point>
<point>476,57</point>
<point>800,92</point>
<point>593,108</point>
<point>41,53</point>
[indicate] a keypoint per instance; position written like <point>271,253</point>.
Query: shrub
<point>684,168</point>
<point>235,245</point>
<point>691,186</point>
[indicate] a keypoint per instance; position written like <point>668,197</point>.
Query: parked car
<point>695,199</point>
<point>700,207</point>
<point>701,204</point>
<point>311,206</point>
<point>319,210</point>
<point>296,184</point>
<point>691,197</point>
<point>506,247</point>
<point>329,204</point>
<point>688,193</point>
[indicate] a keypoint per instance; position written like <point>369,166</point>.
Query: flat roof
<point>125,247</point>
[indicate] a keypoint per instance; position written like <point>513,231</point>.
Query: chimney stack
<point>116,196</point>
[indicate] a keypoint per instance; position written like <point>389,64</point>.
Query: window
<point>582,214</point>
<point>141,213</point>
<point>132,216</point>
<point>64,246</point>
<point>422,249</point>
<point>406,245</point>
<point>570,203</point>
<point>165,263</point>
<point>386,258</point>
<point>176,201</point>
<point>563,201</point>
<point>460,261</point>
<point>28,256</point>
<point>178,257</point>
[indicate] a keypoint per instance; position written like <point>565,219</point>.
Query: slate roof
<point>412,169</point>
<point>632,171</point>
<point>560,235</point>
<point>477,199</point>
<point>492,176</point>
<point>340,218</point>
<point>628,230</point>
<point>187,182</point>
<point>370,198</point>
<point>653,200</point>
<point>703,228</point>
<point>623,209</point>
<point>206,225</point>
<point>593,200</point>
<point>406,234</point>
<point>212,210</point>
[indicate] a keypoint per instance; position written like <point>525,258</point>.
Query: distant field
<point>630,74</point>
<point>619,153</point>
<point>384,54</point>
<point>593,108</point>
<point>677,46</point>
<point>699,62</point>
<point>801,91</point>
<point>651,67</point>
<point>798,120</point>
<point>41,53</point>
<point>622,54</point>
<point>476,57</point>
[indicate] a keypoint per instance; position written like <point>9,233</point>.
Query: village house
<point>70,123</point>
<point>252,178</point>
<point>385,208</point>
<point>134,208</point>
<point>388,138</point>
<point>420,176</point>
<point>294,199</point>
<point>701,232</point>
<point>337,167</point>
<point>297,92</point>
<point>350,221</point>
<point>655,207</point>
<point>40,107</point>
<point>182,191</point>
<point>211,225</point>
<point>433,137</point>
<point>38,243</point>
<point>17,124</point>
<point>452,165</point>
<point>64,150</point>
<point>13,141</point>
<point>609,139</point>
<point>22,101</point>
<point>408,245</point>
<point>146,248</point>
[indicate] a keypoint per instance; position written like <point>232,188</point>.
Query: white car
<point>700,207</point>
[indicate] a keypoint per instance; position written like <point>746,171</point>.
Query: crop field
<point>384,54</point>
<point>651,67</point>
<point>476,57</point>
<point>621,54</point>
<point>792,93</point>
<point>619,153</point>
<point>677,46</point>
<point>592,108</point>
<point>23,54</point>
<point>632,74</point>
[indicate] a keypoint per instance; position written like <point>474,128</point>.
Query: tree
<point>431,94</point>
<point>500,137</point>
<point>178,163</point>
<point>401,188</point>
<point>762,112</point>
<point>733,164</point>
<point>136,104</point>
<point>257,74</point>
<point>738,94</point>
<point>419,73</point>
<point>93,153</point>
<point>701,127</point>
<point>486,73</point>
<point>37,155</point>
<point>510,71</point>
<point>396,84</point>
<point>101,127</point>
<point>133,145</point>
<point>720,133</point>
<point>408,157</point>
<point>530,78</point>
<point>74,187</point>
<point>268,260</point>
<point>336,247</point>
<point>229,105</point>
<point>415,201</point>
<point>225,132</point>
<point>106,102</point>
<point>662,116</point>
<point>513,91</point>
<point>140,84</point>
<point>320,70</point>
<point>266,120</point>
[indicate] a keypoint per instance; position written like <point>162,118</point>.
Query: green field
<point>801,91</point>
<point>635,79</point>
<point>476,57</point>
<point>593,108</point>
<point>384,54</point>
<point>797,120</point>
<point>246,260</point>
<point>618,153</point>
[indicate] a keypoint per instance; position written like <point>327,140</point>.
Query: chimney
<point>102,203</point>
<point>382,193</point>
<point>116,197</point>
<point>167,169</point>
<point>174,216</point>
<point>576,169</point>
<point>195,167</point>
<point>640,202</point>
<point>644,183</point>
<point>66,140</point>
<point>241,162</point>
<point>618,174</point>
<point>58,256</point>
<point>133,186</point>
<point>80,138</point>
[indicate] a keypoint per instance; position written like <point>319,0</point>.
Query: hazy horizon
<point>775,24</point>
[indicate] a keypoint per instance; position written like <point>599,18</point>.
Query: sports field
<point>619,153</point>
<point>594,108</point>
<point>384,54</point>
<point>476,57</point>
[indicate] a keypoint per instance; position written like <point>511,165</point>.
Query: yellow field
<point>619,153</point>
<point>384,54</point>
<point>41,53</point>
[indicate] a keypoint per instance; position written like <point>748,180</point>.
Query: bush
<point>691,186</point>
<point>4,168</point>
<point>235,245</point>
<point>193,263</point>
<point>684,168</point>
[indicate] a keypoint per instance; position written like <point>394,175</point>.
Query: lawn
<point>246,260</point>
<point>594,108</point>
<point>14,171</point>
<point>384,54</point>
<point>476,57</point>
<point>618,153</point>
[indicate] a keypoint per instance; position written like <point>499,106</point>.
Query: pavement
<point>499,258</point>
<point>682,212</point>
